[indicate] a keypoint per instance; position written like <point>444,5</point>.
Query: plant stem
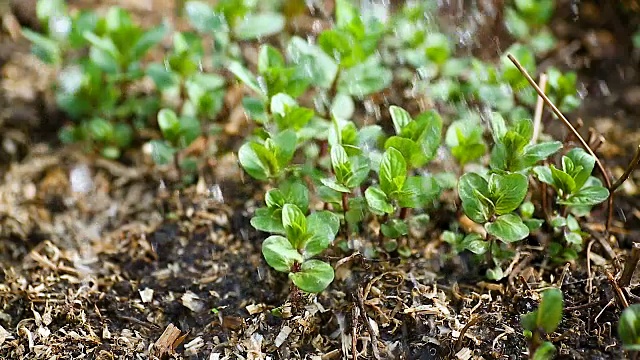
<point>176,163</point>
<point>345,208</point>
<point>403,213</point>
<point>384,219</point>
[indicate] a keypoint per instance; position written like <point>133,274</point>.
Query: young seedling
<point>398,190</point>
<point>268,158</point>
<point>512,150</point>
<point>629,329</point>
<point>269,218</point>
<point>541,322</point>
<point>305,237</point>
<point>178,134</point>
<point>491,201</point>
<point>575,187</point>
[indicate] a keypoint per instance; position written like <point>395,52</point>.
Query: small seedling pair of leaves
<point>178,133</point>
<point>269,218</point>
<point>396,187</point>
<point>418,140</point>
<point>106,137</point>
<point>305,238</point>
<point>464,139</point>
<point>349,172</point>
<point>500,195</point>
<point>275,76</point>
<point>269,158</point>
<point>287,114</point>
<point>512,150</point>
<point>573,182</point>
<point>543,321</point>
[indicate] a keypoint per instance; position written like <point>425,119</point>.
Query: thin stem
<point>584,144</point>
<point>630,266</point>
<point>632,165</point>
<point>537,117</point>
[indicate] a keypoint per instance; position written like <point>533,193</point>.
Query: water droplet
<point>80,178</point>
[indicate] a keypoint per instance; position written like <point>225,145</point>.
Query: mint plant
<point>305,238</point>
<point>96,91</point>
<point>575,187</point>
<point>178,133</point>
<point>542,322</point>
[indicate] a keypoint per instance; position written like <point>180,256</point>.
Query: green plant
<point>305,237</point>
<point>629,328</point>
<point>95,91</point>
<point>542,322</point>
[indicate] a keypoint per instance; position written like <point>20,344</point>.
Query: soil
<point>104,260</point>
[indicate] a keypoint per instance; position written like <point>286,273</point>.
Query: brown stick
<point>630,266</point>
<point>537,117</point>
<point>575,132</point>
<point>632,165</point>
<point>365,319</point>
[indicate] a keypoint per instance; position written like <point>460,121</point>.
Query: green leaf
<point>162,78</point>
<point>507,191</point>
<point>407,147</point>
<point>149,39</point>
<point>340,163</point>
<point>314,276</point>
<point>269,57</point>
<point>629,328</point>
<point>285,142</point>
<point>475,243</point>
<point>253,163</point>
<point>400,118</point>
<point>528,321</point>
<point>581,158</point>
<point>104,44</point>
<point>279,253</point>
<point>257,26</point>
<point>546,351</point>
<point>161,152</point>
<point>536,11</point>
<point>318,219</point>
<point>364,79</point>
<point>296,193</point>
<point>495,274</point>
<point>464,138</point>
<point>394,228</point>
<point>508,228</point>
<point>377,201</point>
<point>562,182</point>
<point>44,48</point>
<point>335,185</point>
<point>590,195</point>
<point>100,129</point>
<point>539,152</point>
<point>418,191</point>
<point>473,190</point>
<point>515,24</point>
<point>244,75</point>
<point>437,47</point>
<point>320,67</point>
<point>169,125</point>
<point>393,171</point>
<point>295,224</point>
<point>320,239</point>
<point>203,18</point>
<point>268,220</point>
<point>550,310</point>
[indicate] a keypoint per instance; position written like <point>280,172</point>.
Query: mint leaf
<point>393,171</point>
<point>314,276</point>
<point>508,228</point>
<point>279,253</point>
<point>507,191</point>
<point>473,190</point>
<point>377,201</point>
<point>550,310</point>
<point>400,118</point>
